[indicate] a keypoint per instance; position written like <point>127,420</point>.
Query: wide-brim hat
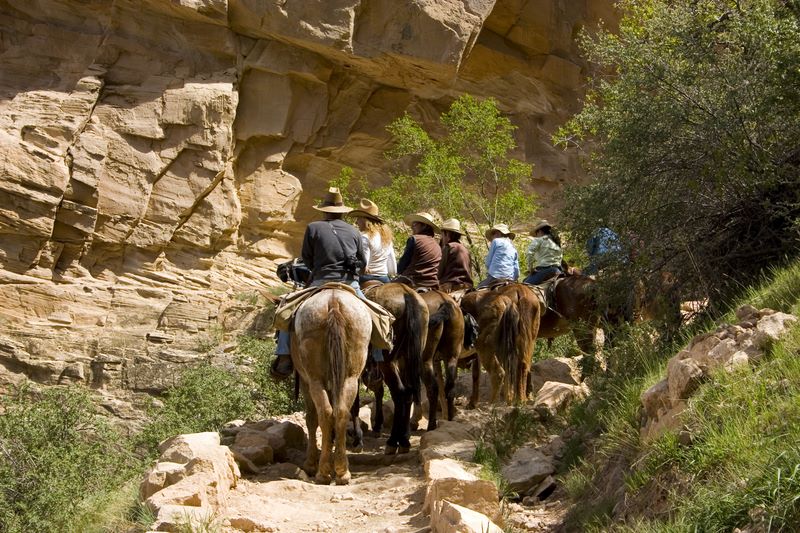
<point>451,225</point>
<point>367,209</point>
<point>540,225</point>
<point>423,217</point>
<point>502,228</point>
<point>332,203</point>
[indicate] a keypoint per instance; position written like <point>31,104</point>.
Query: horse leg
<point>312,451</point>
<point>476,383</point>
<point>325,416</point>
<point>401,429</point>
<point>432,388</point>
<point>358,435</point>
<point>377,388</point>
<point>342,416</point>
<point>440,380</point>
<point>450,386</point>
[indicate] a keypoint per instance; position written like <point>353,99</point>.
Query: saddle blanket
<point>381,318</point>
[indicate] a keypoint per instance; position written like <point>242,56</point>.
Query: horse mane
<point>336,350</point>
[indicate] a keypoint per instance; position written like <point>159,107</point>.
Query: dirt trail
<point>385,495</point>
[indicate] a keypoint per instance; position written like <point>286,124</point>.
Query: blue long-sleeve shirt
<point>503,259</point>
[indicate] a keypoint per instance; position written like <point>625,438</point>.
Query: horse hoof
<point>358,449</point>
<point>403,449</point>
<point>390,450</point>
<point>343,480</point>
<point>323,480</point>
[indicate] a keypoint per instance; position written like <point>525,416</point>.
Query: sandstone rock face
<point>160,157</point>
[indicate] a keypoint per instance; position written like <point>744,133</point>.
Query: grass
<point>742,466</point>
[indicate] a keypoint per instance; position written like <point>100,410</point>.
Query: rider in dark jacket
<point>332,250</point>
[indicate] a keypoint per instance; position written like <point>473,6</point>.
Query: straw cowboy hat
<point>502,228</point>
<point>540,225</point>
<point>332,203</point>
<point>367,209</point>
<point>452,225</point>
<point>422,217</point>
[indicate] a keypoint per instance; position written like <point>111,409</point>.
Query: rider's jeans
<point>284,337</point>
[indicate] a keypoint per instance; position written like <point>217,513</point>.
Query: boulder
<point>555,396</point>
<point>450,440</point>
<point>526,469</point>
<point>683,377</point>
<point>254,446</point>
<point>771,327</point>
<point>656,398</point>
<point>557,369</point>
<point>163,474</point>
<point>448,479</point>
<point>448,517</point>
<point>285,436</point>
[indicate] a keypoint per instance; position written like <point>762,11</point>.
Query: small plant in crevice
<point>501,435</point>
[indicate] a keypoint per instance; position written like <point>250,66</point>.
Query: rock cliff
<point>160,156</point>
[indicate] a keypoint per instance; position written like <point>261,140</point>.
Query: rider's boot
<point>282,366</point>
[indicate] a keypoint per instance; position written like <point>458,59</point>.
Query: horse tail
<point>414,346</point>
<point>442,314</point>
<point>509,332</point>
<point>336,350</point>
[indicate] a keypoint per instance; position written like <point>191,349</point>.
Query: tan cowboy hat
<point>540,225</point>
<point>423,217</point>
<point>452,225</point>
<point>502,228</point>
<point>367,209</point>
<point>332,203</point>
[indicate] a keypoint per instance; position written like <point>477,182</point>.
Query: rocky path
<point>386,494</point>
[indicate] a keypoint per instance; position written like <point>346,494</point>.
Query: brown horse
<point>329,350</point>
<point>509,318</point>
<point>574,310</point>
<point>402,367</point>
<point>443,345</point>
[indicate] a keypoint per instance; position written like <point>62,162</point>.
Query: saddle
<point>381,318</point>
<point>546,291</point>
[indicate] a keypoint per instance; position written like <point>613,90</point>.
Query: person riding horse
<point>454,267</point>
<point>376,240</point>
<point>544,254</point>
<point>420,260</point>
<point>502,262</point>
<point>333,251</point>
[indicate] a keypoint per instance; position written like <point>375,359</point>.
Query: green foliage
<point>467,173</point>
<point>273,397</point>
<point>56,454</point>
<point>743,464</point>
<point>205,398</point>
<point>694,121</point>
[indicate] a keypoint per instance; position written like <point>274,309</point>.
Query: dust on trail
<point>386,494</point>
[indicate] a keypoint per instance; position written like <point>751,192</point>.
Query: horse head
<point>295,271</point>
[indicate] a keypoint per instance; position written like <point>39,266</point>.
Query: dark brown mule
<point>574,310</point>
<point>443,345</point>
<point>402,367</point>
<point>329,350</point>
<point>509,318</point>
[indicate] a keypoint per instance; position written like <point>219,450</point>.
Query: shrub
<point>694,121</point>
<point>273,397</point>
<point>55,452</point>
<point>205,398</point>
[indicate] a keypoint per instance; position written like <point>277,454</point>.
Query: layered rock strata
<point>159,157</point>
